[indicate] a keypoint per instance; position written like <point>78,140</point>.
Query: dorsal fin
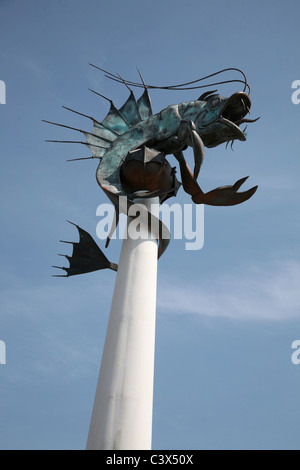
<point>145,106</point>
<point>144,102</point>
<point>130,110</point>
<point>114,120</point>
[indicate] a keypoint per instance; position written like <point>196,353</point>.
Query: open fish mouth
<point>225,127</point>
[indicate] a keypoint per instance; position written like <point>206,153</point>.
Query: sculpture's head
<point>220,117</point>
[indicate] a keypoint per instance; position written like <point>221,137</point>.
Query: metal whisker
<point>182,86</point>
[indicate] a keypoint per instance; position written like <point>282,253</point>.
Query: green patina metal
<point>206,122</point>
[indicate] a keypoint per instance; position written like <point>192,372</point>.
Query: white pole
<point>122,412</point>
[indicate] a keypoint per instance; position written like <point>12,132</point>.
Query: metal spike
<point>63,125</point>
<point>102,70</point>
<point>137,85</point>
<point>102,96</point>
<point>127,86</point>
<point>73,129</point>
<point>81,114</point>
<point>72,223</point>
<point>116,110</point>
<point>59,275</point>
<point>64,241</point>
<point>116,78</point>
<point>113,106</point>
<point>76,142</point>
<point>142,79</point>
<point>94,120</point>
<point>231,146</point>
<point>59,267</point>
<point>82,158</point>
<point>65,256</point>
<point>67,141</point>
<point>119,79</point>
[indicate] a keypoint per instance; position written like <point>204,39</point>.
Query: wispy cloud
<point>264,293</point>
<point>33,66</point>
<point>282,182</point>
<point>30,63</point>
<point>54,330</point>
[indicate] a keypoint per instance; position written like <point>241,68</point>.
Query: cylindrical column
<point>122,412</point>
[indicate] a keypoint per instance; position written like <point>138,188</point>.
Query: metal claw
<point>199,150</point>
<point>239,183</point>
<point>228,195</point>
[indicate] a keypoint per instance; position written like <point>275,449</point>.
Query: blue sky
<point>227,314</point>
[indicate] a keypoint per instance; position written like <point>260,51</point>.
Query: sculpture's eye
<point>214,102</point>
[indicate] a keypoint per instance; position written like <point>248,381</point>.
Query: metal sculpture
<point>131,144</point>
<point>134,133</point>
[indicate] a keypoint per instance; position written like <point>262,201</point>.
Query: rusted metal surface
<point>148,170</point>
